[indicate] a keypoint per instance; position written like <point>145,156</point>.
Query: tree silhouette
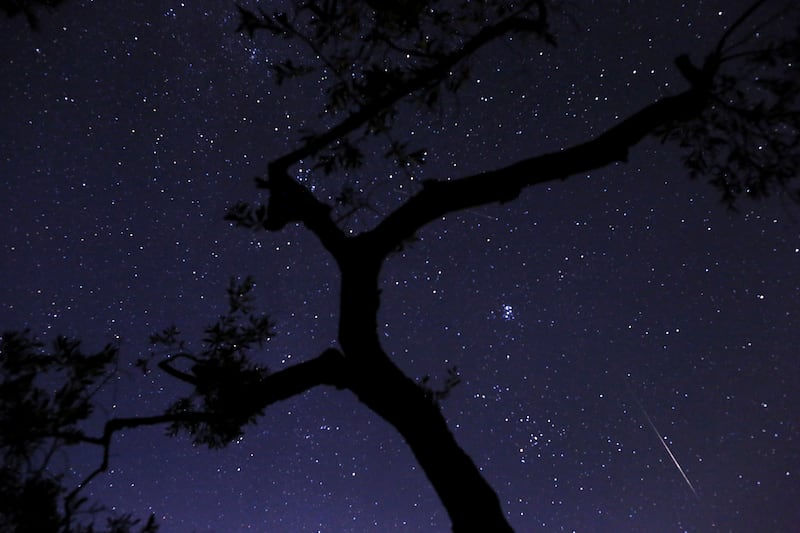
<point>29,9</point>
<point>45,396</point>
<point>738,122</point>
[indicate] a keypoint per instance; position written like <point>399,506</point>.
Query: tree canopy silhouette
<point>28,8</point>
<point>737,121</point>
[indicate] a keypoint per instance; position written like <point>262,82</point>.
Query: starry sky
<point>588,319</point>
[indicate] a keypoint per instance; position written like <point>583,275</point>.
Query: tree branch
<point>166,366</point>
<point>437,198</point>
<point>325,369</point>
<point>117,424</point>
<point>290,201</point>
<point>422,78</point>
<point>720,48</point>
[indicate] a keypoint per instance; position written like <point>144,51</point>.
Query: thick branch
<point>437,198</point>
<point>290,201</point>
<point>325,369</point>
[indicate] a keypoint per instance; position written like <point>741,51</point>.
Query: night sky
<point>573,313</point>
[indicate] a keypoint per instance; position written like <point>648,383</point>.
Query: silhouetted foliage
<point>30,502</point>
<point>45,397</point>
<point>737,121</point>
<point>744,141</point>
<point>225,381</point>
<point>378,56</point>
<point>29,9</point>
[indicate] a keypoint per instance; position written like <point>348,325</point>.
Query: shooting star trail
<point>664,443</point>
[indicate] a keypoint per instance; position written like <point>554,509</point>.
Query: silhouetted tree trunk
<point>382,387</point>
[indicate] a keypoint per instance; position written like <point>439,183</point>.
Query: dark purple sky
<point>573,311</point>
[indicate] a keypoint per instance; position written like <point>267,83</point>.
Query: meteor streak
<point>664,443</point>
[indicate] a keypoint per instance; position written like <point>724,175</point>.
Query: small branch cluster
<point>438,394</point>
<point>225,381</point>
<point>744,141</point>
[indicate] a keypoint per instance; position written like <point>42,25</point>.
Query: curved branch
<point>438,198</point>
<point>167,367</point>
<point>738,22</point>
<point>325,369</point>
<point>117,424</point>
